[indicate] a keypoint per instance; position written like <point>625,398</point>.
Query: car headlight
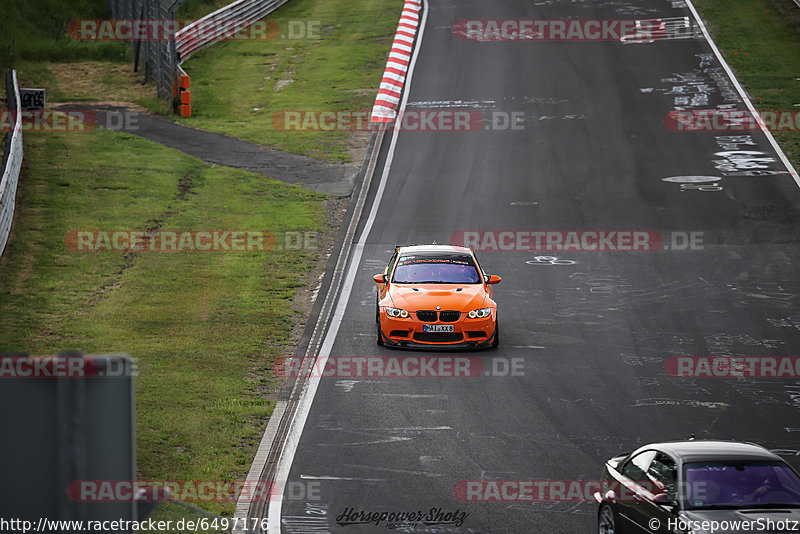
<point>396,312</point>
<point>479,314</point>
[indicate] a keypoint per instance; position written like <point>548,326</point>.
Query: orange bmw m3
<point>436,296</point>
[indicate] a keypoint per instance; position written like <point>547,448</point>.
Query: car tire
<point>607,520</point>
<point>496,338</point>
<point>379,338</point>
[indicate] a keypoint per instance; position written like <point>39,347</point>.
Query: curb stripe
<point>394,76</point>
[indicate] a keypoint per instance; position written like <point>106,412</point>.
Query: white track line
<point>296,430</point>
<point>744,96</point>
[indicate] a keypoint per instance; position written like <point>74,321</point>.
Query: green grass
<point>202,326</point>
<point>37,31</point>
<point>239,86</point>
<point>760,39</point>
<point>235,84</point>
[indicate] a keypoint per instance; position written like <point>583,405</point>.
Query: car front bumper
<point>467,333</point>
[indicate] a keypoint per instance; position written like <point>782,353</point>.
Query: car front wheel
<point>379,339</point>
<point>496,339</point>
<point>606,522</point>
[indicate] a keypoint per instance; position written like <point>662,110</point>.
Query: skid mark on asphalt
<point>407,395</point>
<point>688,403</point>
<point>793,391</point>
<point>328,477</point>
<point>314,520</point>
<point>346,385</point>
<point>599,295</point>
<point>391,439</point>
<point>428,474</point>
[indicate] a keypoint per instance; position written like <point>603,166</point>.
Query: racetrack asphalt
<point>592,331</point>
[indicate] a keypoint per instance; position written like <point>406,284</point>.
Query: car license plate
<point>437,328</point>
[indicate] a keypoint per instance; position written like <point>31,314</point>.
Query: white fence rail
<point>218,25</point>
<point>12,160</point>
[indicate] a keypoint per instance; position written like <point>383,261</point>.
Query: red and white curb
<point>394,77</point>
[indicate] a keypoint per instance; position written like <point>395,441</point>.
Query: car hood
<point>427,296</point>
<point>755,517</point>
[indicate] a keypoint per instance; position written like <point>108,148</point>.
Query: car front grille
<point>431,316</point>
<point>427,316</point>
<point>449,316</point>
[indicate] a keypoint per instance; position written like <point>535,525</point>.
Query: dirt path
<point>220,149</point>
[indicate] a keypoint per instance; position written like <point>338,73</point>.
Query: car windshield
<point>436,269</point>
<point>741,485</point>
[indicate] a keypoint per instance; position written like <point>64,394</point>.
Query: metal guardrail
<point>159,56</point>
<point>162,58</point>
<point>235,17</point>
<point>12,160</point>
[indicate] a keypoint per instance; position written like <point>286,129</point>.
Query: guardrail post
<point>158,47</point>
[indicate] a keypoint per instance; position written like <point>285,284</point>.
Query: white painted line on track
<point>296,430</point>
<point>781,155</point>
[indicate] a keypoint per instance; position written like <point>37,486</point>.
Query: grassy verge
<point>238,86</point>
<point>109,82</point>
<point>760,40</point>
<point>37,31</point>
<point>194,9</point>
<point>203,326</point>
<point>34,40</point>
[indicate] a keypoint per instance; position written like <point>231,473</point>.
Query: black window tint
<point>436,268</point>
<point>480,269</point>
<point>636,468</point>
<point>663,475</point>
<point>390,267</point>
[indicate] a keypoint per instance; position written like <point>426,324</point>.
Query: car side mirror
<point>380,278</point>
<point>494,279</point>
